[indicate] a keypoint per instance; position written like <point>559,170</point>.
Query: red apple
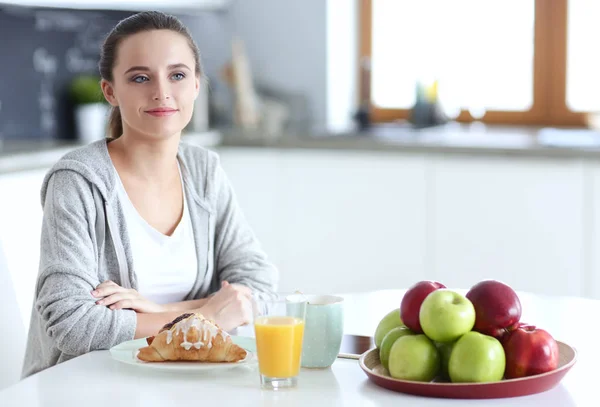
<point>506,334</point>
<point>497,307</point>
<point>412,300</point>
<point>529,351</point>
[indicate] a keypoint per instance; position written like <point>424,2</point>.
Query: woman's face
<point>154,83</point>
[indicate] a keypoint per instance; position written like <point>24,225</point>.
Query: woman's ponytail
<point>115,125</point>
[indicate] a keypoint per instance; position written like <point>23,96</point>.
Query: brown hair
<point>145,21</point>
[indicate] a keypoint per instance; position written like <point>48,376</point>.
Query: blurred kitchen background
<point>371,143</point>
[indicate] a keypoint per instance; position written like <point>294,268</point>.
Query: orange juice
<point>279,345</point>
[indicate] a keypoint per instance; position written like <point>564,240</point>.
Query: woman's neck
<point>146,160</point>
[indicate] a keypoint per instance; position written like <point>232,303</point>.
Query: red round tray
<point>370,364</point>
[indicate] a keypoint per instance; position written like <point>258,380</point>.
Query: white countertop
<point>96,379</point>
<point>504,141</point>
<point>28,155</point>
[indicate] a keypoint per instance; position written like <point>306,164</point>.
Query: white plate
<point>126,352</point>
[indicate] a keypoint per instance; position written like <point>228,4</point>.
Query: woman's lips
<point>161,112</point>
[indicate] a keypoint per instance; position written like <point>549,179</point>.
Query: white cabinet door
<point>354,221</point>
<point>516,220</point>
<point>20,229</point>
<point>254,174</point>
<point>592,211</point>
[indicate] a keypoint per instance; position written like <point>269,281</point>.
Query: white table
<point>96,379</point>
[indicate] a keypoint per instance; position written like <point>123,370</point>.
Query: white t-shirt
<point>166,266</point>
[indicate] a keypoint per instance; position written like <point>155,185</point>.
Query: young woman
<point>141,227</point>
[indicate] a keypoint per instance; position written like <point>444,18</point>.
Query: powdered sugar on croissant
<point>207,328</point>
<point>191,337</point>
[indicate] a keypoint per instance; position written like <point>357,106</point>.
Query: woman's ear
<point>197,86</point>
<point>109,92</point>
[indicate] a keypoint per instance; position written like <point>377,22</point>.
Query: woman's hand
<point>116,297</point>
<point>230,307</point>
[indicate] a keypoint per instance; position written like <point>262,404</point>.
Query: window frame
<point>549,107</point>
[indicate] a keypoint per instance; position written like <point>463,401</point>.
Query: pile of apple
<point>439,334</point>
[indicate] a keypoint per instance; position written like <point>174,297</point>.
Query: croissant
<point>191,337</point>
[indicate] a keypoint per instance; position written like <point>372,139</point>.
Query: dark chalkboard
<point>41,50</point>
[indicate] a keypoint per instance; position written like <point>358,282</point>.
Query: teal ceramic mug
<point>323,330</point>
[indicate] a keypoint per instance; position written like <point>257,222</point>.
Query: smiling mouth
<point>162,112</point>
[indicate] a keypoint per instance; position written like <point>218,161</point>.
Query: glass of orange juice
<point>279,331</point>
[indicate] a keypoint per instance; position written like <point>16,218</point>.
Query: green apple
<point>414,357</point>
<point>446,315</point>
<point>477,358</point>
<point>390,321</point>
<point>388,341</point>
<point>445,350</point>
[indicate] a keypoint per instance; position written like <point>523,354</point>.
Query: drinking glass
<point>279,331</point>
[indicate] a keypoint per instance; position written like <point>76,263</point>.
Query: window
<point>504,61</point>
<point>583,61</point>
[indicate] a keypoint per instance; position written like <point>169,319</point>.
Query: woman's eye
<point>140,79</point>
<point>178,76</point>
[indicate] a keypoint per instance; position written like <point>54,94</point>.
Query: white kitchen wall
<point>307,47</point>
<point>342,64</point>
<point>285,43</point>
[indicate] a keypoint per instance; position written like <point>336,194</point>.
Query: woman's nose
<point>162,97</point>
<point>161,91</point>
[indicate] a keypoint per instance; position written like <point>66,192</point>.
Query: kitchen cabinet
<point>354,221</point>
<point>340,221</point>
<point>20,228</point>
<point>255,175</point>
<point>517,220</point>
<point>348,221</point>
<point>128,5</point>
<point>591,211</point>
<point>335,221</point>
